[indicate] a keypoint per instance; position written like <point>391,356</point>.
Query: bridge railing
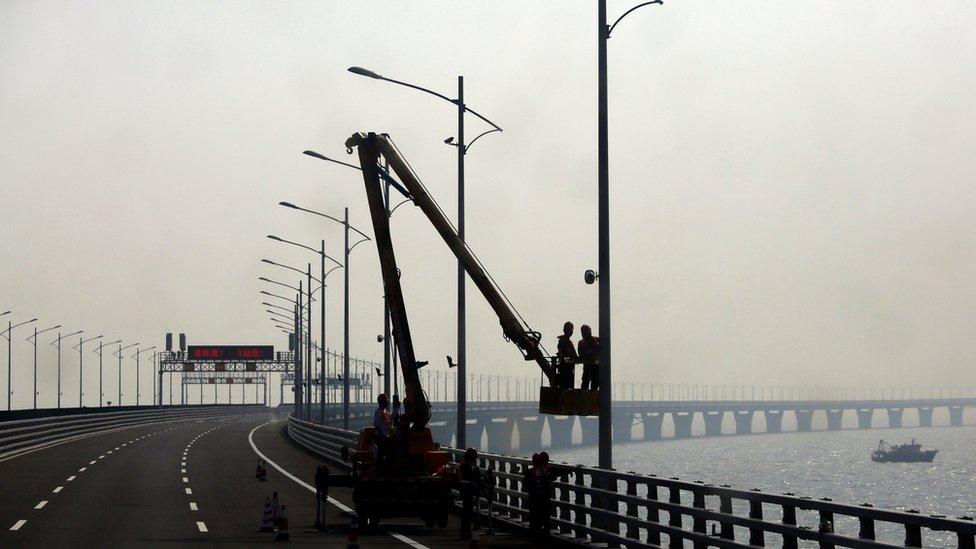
<point>21,435</point>
<point>596,506</point>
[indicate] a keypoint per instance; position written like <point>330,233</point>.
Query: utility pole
<point>605,459</point>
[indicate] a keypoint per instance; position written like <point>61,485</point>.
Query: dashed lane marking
<point>185,480</point>
<point>91,463</point>
<point>193,506</point>
<point>17,525</point>
<point>189,492</point>
<point>82,470</point>
<point>183,471</point>
<point>202,526</point>
<point>58,489</point>
<point>69,479</point>
<point>41,504</point>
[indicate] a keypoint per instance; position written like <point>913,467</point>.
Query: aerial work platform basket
<point>569,402</point>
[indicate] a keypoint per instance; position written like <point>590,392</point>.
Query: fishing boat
<point>911,453</point>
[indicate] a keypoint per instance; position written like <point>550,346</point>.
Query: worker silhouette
<point>382,425</point>
<point>567,357</point>
<point>537,483</point>
<point>589,354</point>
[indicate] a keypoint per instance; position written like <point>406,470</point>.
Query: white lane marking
<point>72,477</point>
<point>58,489</point>
<point>186,479</point>
<point>250,438</point>
<point>82,470</point>
<point>116,447</point>
<point>189,492</point>
<point>183,463</point>
<point>202,526</point>
<point>91,463</point>
<point>183,471</point>
<point>17,525</point>
<point>41,504</point>
<point>109,452</point>
<point>193,506</point>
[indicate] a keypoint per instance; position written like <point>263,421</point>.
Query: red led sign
<point>230,352</point>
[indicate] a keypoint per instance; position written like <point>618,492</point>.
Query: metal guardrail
<point>619,509</point>
<point>23,435</point>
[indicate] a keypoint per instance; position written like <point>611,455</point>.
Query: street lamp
<point>345,314</point>
<point>139,352</point>
<point>462,149</point>
<point>81,368</point>
<point>33,339</point>
<point>605,460</point>
<point>10,327</point>
<point>102,344</point>
<point>323,275</point>
<point>58,343</point>
<point>121,348</point>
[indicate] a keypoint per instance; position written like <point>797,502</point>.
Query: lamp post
<point>605,459</point>
<point>58,343</point>
<point>462,149</point>
<point>345,309</point>
<point>33,339</point>
<point>10,328</point>
<point>322,276</point>
<point>101,345</point>
<point>81,368</point>
<point>139,352</point>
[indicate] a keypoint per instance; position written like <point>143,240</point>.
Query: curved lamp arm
<point>626,13</point>
<point>482,134</point>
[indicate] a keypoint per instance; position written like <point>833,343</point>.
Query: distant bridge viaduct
<point>511,425</point>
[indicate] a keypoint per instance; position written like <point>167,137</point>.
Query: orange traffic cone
<point>352,539</point>
<point>475,542</point>
<point>267,517</point>
<point>283,534</point>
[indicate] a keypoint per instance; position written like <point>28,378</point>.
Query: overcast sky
<point>792,186</point>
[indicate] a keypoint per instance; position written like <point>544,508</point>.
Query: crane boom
<point>371,146</point>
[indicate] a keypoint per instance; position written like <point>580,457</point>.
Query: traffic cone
<point>352,538</point>
<point>263,477</point>
<point>267,517</point>
<point>257,473</point>
<point>283,534</point>
<point>475,542</point>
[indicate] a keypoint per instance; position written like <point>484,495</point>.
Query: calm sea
<point>834,465</point>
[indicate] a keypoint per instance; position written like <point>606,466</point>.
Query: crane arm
<point>371,146</point>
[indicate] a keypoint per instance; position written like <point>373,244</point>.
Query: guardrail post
<point>674,517</point>
<point>698,502</point>
<point>580,517</point>
<point>913,535</point>
<point>826,528</point>
<point>756,535</point>
<point>789,518</point>
<point>966,541</point>
<point>653,515</point>
<point>725,507</point>
<point>867,528</point>
<point>611,503</point>
<point>561,510</point>
<point>633,531</point>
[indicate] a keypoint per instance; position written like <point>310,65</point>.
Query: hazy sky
<point>792,185</point>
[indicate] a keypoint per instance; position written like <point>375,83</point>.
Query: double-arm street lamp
<point>322,276</point>
<point>10,328</point>
<point>57,342</point>
<point>119,354</point>
<point>101,345</point>
<point>33,339</point>
<point>462,150</point>
<point>345,309</point>
<point>136,356</point>
<point>81,369</point>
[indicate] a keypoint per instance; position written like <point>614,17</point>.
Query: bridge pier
<point>472,432</point>
<point>804,420</point>
<point>500,435</point>
<point>623,427</point>
<point>530,433</point>
<point>774,421</point>
<point>652,425</point>
<point>864,418</point>
<point>682,423</point>
<point>955,415</point>
<point>894,417</point>
<point>561,431</point>
<point>590,426</point>
<point>442,433</point>
<point>924,416</point>
<point>713,423</point>
<point>743,422</point>
<point>835,418</point>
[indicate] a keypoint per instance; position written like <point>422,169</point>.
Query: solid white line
<point>72,477</point>
<point>250,438</point>
<point>41,504</point>
<point>193,506</point>
<point>202,526</point>
<point>189,492</point>
<point>17,525</point>
<point>58,489</point>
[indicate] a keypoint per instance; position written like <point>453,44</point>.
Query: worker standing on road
<point>382,425</point>
<point>589,353</point>
<point>566,353</point>
<point>321,494</point>
<point>470,477</point>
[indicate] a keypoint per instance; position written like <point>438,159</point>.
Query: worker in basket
<point>566,358</point>
<point>589,354</point>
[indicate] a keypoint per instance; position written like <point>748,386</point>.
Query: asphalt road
<point>184,483</point>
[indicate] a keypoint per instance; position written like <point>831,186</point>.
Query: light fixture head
<point>364,72</point>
